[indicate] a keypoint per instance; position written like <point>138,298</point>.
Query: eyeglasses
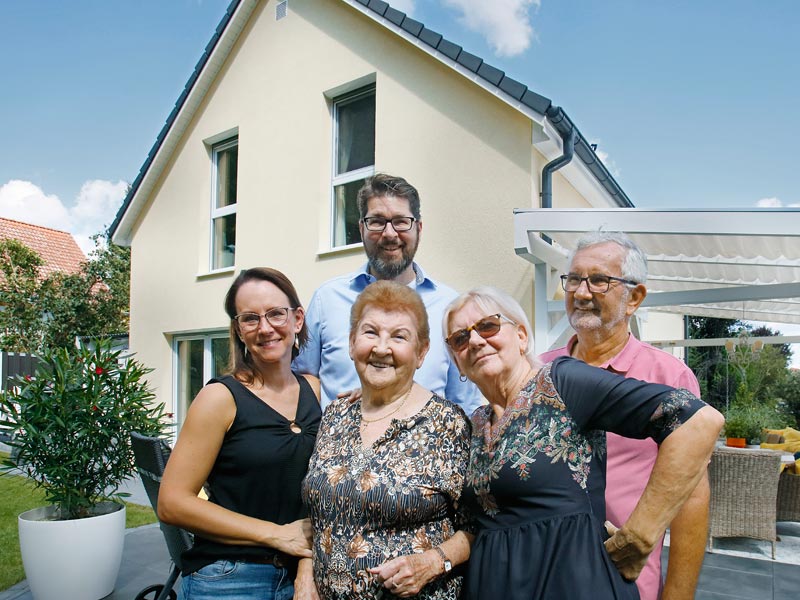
<point>486,328</point>
<point>276,317</point>
<point>597,284</point>
<point>399,224</point>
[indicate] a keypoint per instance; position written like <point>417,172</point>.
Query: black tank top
<point>259,469</point>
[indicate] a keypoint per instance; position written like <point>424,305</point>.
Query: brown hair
<point>392,297</point>
<point>241,364</point>
<point>383,184</point>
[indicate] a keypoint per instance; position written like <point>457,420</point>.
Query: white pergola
<point>736,264</point>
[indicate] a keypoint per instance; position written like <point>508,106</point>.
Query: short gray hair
<point>634,265</point>
<point>492,300</point>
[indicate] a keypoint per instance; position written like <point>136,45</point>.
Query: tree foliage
<point>52,311</point>
<point>751,385</point>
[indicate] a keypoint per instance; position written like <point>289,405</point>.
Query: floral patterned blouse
<point>536,481</point>
<point>397,497</point>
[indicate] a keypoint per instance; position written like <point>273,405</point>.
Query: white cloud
<point>773,203</point>
<point>505,24</point>
<point>94,208</point>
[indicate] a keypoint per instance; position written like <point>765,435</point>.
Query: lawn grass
<point>17,495</point>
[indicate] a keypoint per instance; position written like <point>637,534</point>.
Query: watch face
<point>447,566</point>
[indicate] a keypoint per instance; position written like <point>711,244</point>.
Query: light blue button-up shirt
<point>327,356</point>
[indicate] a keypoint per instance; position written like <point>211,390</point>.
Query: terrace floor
<point>738,568</point>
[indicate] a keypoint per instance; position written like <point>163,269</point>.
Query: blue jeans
<point>238,581</point>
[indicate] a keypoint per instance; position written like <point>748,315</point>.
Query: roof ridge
<point>35,225</point>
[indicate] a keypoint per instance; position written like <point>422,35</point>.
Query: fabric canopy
<point>736,264</point>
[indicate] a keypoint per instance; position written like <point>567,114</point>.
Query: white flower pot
<point>77,559</point>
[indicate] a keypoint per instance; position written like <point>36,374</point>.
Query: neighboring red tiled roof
<point>58,249</point>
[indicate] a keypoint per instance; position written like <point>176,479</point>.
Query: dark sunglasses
<point>486,328</point>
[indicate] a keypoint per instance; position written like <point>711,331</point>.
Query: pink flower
<point>28,378</point>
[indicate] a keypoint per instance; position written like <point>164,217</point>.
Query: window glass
<point>190,373</point>
<point>346,205</point>
<point>224,251</point>
<point>356,133</point>
<point>220,352</point>
<point>227,167</point>
<point>354,161</point>
<point>199,358</point>
<point>225,163</point>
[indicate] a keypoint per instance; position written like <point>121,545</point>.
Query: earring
<point>245,351</point>
<point>462,378</point>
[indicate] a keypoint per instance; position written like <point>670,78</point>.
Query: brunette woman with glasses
<point>248,435</point>
<point>536,477</point>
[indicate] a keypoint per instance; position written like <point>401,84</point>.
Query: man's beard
<point>390,269</point>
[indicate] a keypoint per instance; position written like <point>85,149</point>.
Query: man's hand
<point>628,551</point>
<point>354,394</point>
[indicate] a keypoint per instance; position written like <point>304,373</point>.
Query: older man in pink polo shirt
<point>604,287</point>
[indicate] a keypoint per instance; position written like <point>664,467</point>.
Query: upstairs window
<point>225,161</point>
<point>354,160</point>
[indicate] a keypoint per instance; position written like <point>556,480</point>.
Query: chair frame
<point>151,456</point>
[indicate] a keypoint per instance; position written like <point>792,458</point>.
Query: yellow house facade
<point>291,106</point>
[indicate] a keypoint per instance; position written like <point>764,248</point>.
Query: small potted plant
<point>70,426</point>
<point>740,427</point>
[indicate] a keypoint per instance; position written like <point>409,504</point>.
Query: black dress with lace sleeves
<point>600,399</point>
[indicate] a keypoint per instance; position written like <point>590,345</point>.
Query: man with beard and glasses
<point>391,227</point>
<point>604,286</point>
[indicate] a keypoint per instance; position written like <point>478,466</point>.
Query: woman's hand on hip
<point>405,576</point>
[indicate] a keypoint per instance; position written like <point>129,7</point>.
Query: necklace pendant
<point>294,427</point>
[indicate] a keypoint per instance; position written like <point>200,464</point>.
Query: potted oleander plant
<point>70,426</point>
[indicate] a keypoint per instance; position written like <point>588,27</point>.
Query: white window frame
<point>219,212</point>
<point>349,176</point>
<point>178,409</point>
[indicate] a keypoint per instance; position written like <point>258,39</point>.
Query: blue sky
<point>692,103</point>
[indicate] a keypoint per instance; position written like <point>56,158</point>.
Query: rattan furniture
<point>789,497</point>
<point>744,490</point>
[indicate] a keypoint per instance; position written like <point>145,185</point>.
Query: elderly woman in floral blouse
<point>386,475</point>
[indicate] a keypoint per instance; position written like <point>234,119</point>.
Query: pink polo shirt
<point>629,461</point>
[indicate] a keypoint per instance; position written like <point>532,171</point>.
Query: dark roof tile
<point>379,6</point>
<point>395,16</point>
<point>430,37</point>
<point>512,87</point>
<point>470,61</point>
<point>491,74</point>
<point>411,26</point>
<point>538,103</point>
<point>449,49</point>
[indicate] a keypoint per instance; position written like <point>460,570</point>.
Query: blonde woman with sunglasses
<point>536,477</point>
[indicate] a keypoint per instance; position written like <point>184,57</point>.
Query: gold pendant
<point>294,427</point>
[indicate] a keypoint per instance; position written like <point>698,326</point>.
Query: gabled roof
<point>514,93</point>
<point>58,249</point>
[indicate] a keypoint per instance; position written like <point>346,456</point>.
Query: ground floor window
<point>198,358</point>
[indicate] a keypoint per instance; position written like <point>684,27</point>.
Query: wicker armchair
<point>744,489</point>
<point>789,497</point>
